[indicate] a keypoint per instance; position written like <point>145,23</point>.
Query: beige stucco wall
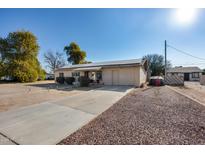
<point>120,75</point>
<point>202,79</point>
<point>107,76</point>
<point>143,75</point>
<point>67,73</point>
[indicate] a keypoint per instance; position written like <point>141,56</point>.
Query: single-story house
<point>122,72</point>
<point>187,73</point>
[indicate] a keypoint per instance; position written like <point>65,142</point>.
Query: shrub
<point>60,80</point>
<point>69,80</point>
<point>203,73</point>
<point>27,76</point>
<point>2,69</point>
<point>84,81</point>
<point>42,74</point>
<point>24,72</point>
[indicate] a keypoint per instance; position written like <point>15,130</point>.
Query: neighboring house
<point>187,73</point>
<point>122,72</point>
<point>49,76</point>
<point>7,78</point>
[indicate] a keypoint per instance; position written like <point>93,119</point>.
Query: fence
<point>174,80</point>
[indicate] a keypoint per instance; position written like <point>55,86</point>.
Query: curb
<point>11,140</point>
<point>185,95</point>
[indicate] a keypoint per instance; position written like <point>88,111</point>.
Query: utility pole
<point>165,57</point>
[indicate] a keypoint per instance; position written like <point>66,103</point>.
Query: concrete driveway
<point>50,122</point>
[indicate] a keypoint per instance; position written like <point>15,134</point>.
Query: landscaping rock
<point>154,116</point>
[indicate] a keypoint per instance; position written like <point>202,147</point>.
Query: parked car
<point>156,81</point>
<point>49,76</point>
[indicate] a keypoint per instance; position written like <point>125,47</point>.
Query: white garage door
<point>122,76</point>
<point>127,76</point>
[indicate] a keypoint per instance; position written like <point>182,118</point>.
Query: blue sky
<point>111,34</point>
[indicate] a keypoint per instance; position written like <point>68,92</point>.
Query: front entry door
<point>86,74</point>
<point>186,76</point>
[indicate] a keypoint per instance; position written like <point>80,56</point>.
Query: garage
<point>124,76</point>
<point>120,76</point>
<point>123,72</point>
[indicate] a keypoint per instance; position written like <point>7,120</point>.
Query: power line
<point>185,52</point>
<point>190,64</point>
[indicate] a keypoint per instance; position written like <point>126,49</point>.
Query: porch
<point>94,74</point>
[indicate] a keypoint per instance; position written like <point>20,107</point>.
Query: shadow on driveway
<point>64,87</point>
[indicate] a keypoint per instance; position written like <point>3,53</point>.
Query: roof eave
<point>103,66</point>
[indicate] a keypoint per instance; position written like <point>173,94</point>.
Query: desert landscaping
<point>157,115</point>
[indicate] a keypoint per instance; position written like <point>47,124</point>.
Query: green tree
<point>42,74</point>
<point>3,45</point>
<point>23,71</point>
<point>156,64</point>
<point>74,53</point>
<point>2,71</point>
<point>18,52</point>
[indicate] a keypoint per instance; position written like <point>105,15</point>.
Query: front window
<point>86,74</point>
<point>61,74</point>
<point>75,74</point>
<point>99,75</point>
<point>195,75</point>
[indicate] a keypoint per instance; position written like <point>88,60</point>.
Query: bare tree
<point>156,64</point>
<point>54,60</point>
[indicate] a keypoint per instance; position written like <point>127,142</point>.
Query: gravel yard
<point>193,90</point>
<point>154,116</point>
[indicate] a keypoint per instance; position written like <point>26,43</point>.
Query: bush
<point>60,80</point>
<point>2,69</point>
<point>203,73</point>
<point>42,74</point>
<point>84,81</point>
<point>24,72</point>
<point>27,76</point>
<point>69,80</point>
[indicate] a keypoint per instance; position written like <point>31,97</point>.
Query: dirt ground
<point>14,95</point>
<point>194,90</point>
<point>155,116</point>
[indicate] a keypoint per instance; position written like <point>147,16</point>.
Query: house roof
<point>106,63</point>
<point>184,70</point>
<point>88,69</point>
